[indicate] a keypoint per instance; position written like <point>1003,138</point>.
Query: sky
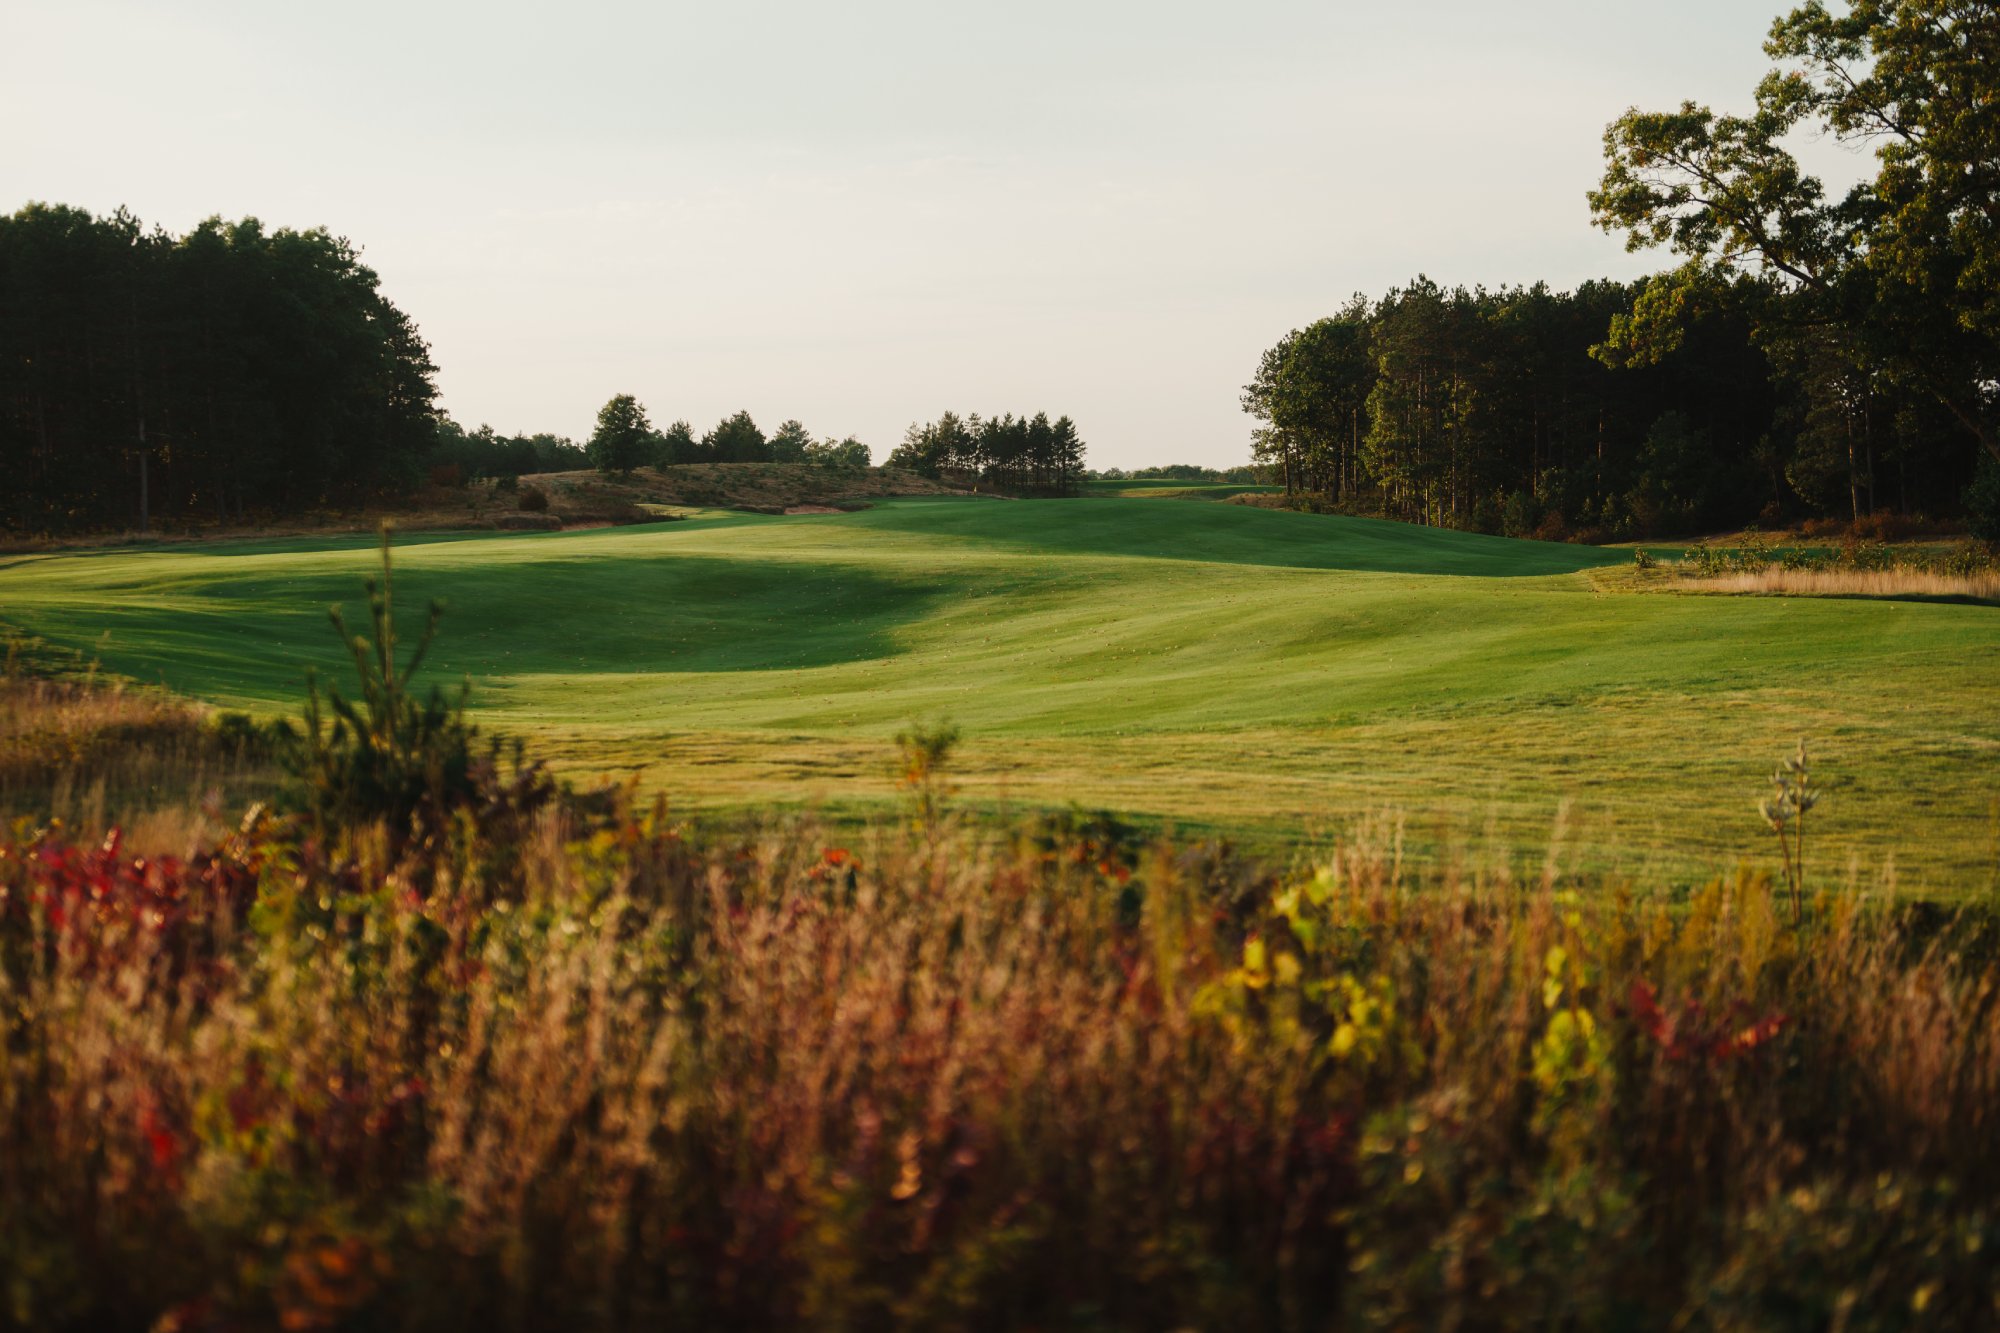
<point>863,214</point>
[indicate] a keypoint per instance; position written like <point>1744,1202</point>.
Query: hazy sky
<point>861,214</point>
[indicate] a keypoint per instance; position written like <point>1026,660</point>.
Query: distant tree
<point>926,447</point>
<point>519,457</point>
<point>736,439</point>
<point>1321,397</point>
<point>1424,343</point>
<point>623,439</point>
<point>677,444</point>
<point>849,454</point>
<point>789,442</point>
<point>554,453</point>
<point>1066,456</point>
<point>1017,453</point>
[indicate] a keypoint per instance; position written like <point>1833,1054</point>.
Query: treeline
<point>228,371</point>
<point>1511,411</point>
<point>1180,472</point>
<point>236,373</point>
<point>1028,454</point>
<point>625,439</point>
<point>1811,354</point>
<point>459,455</point>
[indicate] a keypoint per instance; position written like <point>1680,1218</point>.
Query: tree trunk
<point>1853,469</point>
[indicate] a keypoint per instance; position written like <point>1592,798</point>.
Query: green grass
<point>1268,674</point>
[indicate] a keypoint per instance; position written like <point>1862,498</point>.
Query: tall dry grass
<point>1982,585</point>
<point>949,1080</point>
<point>98,752</point>
<point>1857,568</point>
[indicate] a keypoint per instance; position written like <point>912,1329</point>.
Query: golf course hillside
<point>1222,669</point>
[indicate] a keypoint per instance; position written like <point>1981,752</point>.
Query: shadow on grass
<point>1235,535</point>
<point>255,634</point>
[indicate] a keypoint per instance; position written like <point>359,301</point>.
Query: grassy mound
<point>583,497</point>
<point>1212,666</point>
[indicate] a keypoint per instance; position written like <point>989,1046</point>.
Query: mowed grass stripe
<point>1229,667</point>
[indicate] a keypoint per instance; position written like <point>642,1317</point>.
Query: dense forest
<point>1809,355</point>
<point>1514,411</point>
<point>1032,455</point>
<point>229,370</point>
<point>1508,411</point>
<point>238,373</point>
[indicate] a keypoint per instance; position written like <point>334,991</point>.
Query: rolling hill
<point>1265,674</point>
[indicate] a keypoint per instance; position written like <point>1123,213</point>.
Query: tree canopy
<point>624,437</point>
<point>232,370</point>
<point>1896,280</point>
<point>1507,410</point>
<point>1030,454</point>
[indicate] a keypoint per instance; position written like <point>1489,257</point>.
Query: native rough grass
<point>1982,585</point>
<point>1856,568</point>
<point>98,754</point>
<point>973,1081</point>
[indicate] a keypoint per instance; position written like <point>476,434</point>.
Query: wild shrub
<point>1552,528</point>
<point>394,756</point>
<point>84,747</point>
<point>949,1081</point>
<point>534,500</point>
<point>388,753</point>
<point>1885,526</point>
<point>926,750</point>
<point>1896,1252</point>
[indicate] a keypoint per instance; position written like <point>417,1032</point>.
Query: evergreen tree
<point>736,439</point>
<point>677,444</point>
<point>789,442</point>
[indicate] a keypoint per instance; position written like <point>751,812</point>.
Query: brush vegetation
<point>501,1062</point>
<point>1857,568</point>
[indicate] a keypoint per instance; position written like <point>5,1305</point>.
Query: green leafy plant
<point>388,753</point>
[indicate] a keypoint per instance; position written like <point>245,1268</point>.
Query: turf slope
<point>1219,667</point>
